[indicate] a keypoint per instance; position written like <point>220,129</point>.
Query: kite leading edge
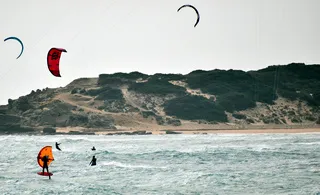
<point>17,39</point>
<point>53,60</point>
<point>195,9</point>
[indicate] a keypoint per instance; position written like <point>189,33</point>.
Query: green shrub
<point>106,93</point>
<point>239,116</point>
<point>284,121</point>
<point>174,122</point>
<point>157,87</point>
<point>110,94</point>
<point>249,120</point>
<point>23,103</point>
<point>159,120</point>
<point>195,108</point>
<point>74,90</point>
<point>310,118</point>
<point>120,78</point>
<point>235,102</point>
<point>296,120</point>
<point>146,114</point>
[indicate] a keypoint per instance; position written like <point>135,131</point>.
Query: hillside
<point>277,96</point>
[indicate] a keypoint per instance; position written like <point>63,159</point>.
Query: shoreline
<point>168,131</point>
<point>214,131</point>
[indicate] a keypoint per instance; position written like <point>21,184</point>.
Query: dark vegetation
<point>157,86</point>
<point>110,94</point>
<point>238,90</point>
<point>295,81</point>
<point>239,116</point>
<point>168,77</point>
<point>147,114</point>
<point>106,93</point>
<point>195,107</point>
<point>120,78</point>
<point>234,90</point>
<point>128,76</point>
<point>112,98</point>
<point>160,120</point>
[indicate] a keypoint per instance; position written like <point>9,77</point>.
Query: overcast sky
<point>149,36</point>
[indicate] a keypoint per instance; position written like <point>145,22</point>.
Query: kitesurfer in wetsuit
<point>93,148</point>
<point>57,146</point>
<point>45,160</point>
<point>93,161</point>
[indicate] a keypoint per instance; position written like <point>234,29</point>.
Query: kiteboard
<point>45,174</point>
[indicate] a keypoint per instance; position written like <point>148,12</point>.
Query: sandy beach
<point>206,131</point>
<point>251,131</point>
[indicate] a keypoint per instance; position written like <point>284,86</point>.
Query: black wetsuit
<point>93,161</point>
<point>45,160</point>
<point>57,146</point>
<point>93,148</point>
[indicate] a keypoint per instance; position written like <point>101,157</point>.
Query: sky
<point>108,36</point>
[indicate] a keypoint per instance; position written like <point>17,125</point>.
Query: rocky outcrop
<point>11,124</point>
<point>174,122</point>
<point>165,101</point>
<point>3,109</point>
<point>172,132</point>
<point>49,130</point>
<point>7,119</point>
<point>80,133</point>
<point>8,129</point>
<point>131,133</point>
<point>100,121</point>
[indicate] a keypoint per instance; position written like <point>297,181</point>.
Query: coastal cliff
<point>277,96</point>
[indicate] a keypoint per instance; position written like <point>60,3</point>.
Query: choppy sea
<point>164,164</point>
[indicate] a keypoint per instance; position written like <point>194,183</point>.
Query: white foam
<point>119,164</point>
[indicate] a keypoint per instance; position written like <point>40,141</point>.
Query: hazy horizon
<point>151,37</point>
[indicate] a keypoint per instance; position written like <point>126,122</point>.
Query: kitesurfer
<point>57,146</point>
<point>93,161</point>
<point>93,148</point>
<point>45,160</point>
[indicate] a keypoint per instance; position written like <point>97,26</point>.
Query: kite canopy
<point>195,9</point>
<point>17,39</point>
<point>53,60</point>
<point>45,151</point>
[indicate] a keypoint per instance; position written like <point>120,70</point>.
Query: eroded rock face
<point>6,119</point>
<point>3,109</point>
<point>132,133</point>
<point>15,129</point>
<point>55,113</point>
<point>49,130</point>
<point>169,99</point>
<point>11,123</point>
<point>77,120</point>
<point>172,132</point>
<point>21,104</point>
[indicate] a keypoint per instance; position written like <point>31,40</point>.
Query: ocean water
<point>164,164</point>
